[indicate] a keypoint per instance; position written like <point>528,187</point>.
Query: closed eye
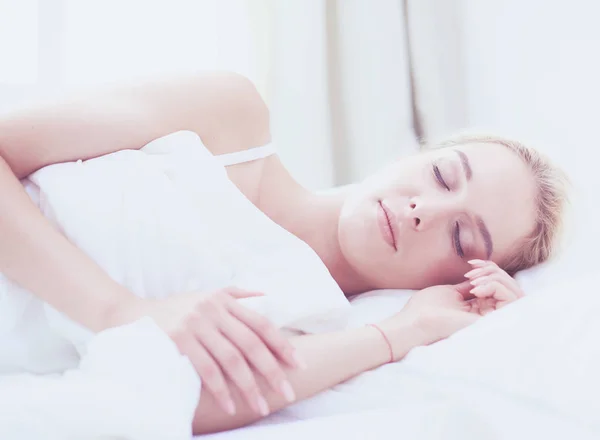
<point>440,178</point>
<point>456,240</point>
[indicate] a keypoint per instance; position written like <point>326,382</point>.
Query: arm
<point>431,315</point>
<point>331,359</point>
<point>224,109</point>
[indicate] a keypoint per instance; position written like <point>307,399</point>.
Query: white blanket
<point>132,384</point>
<point>159,221</point>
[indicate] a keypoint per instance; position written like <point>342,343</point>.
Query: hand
<point>492,286</point>
<point>432,314</point>
<point>221,337</point>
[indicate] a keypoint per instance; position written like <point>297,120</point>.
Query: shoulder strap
<point>246,155</point>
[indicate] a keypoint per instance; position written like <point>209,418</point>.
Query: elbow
<point>6,168</point>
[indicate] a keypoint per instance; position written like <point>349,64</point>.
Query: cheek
<point>356,233</point>
<point>429,261</point>
<point>450,272</point>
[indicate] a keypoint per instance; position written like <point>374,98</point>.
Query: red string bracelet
<point>387,341</point>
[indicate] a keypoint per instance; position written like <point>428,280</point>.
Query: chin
<point>363,252</point>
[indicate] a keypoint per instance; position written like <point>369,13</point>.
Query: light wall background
<point>351,84</point>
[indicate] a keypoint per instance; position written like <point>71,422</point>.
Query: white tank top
<point>246,155</point>
<point>162,220</point>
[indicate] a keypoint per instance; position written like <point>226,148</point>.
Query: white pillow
<point>375,306</point>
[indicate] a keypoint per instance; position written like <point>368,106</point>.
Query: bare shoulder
<point>238,115</point>
<point>242,122</point>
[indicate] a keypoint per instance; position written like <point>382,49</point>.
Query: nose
<point>424,214</point>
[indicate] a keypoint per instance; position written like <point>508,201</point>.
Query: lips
<point>387,224</point>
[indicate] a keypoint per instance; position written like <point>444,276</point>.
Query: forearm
<point>331,359</point>
<point>36,256</point>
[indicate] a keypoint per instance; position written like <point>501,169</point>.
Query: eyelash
<point>456,240</point>
<point>439,178</point>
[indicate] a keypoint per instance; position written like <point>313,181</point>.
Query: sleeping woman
<point>454,222</point>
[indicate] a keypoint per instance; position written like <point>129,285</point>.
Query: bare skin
<point>227,113</point>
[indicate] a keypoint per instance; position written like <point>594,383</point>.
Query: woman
<point>483,207</point>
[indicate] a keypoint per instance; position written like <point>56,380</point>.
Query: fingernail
<point>263,407</point>
<point>476,290</point>
<point>476,262</point>
<point>300,363</point>
<point>230,407</point>
<point>288,391</point>
<point>475,273</point>
<point>478,281</point>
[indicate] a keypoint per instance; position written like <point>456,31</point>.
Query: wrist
<point>403,336</point>
<point>121,310</point>
<point>391,357</point>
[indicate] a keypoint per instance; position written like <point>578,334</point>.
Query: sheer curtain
<point>339,87</point>
<point>351,84</point>
<point>354,84</point>
<point>437,52</point>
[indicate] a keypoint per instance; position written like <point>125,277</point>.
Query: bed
<point>526,371</point>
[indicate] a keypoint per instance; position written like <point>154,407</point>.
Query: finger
<point>464,289</point>
<point>495,290</point>
<point>472,306</point>
<point>278,344</point>
<point>501,277</point>
<point>505,296</point>
<point>481,306</point>
<point>485,290</point>
<point>486,305</point>
<point>481,271</point>
<point>234,365</point>
<point>258,354</point>
<point>240,294</point>
<point>493,272</point>
<point>210,373</point>
<point>511,284</point>
<point>485,279</point>
<point>480,263</point>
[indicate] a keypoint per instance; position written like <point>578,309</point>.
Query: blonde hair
<point>551,200</point>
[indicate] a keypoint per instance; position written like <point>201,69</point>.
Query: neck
<point>313,218</point>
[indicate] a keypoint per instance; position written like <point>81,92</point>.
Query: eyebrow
<point>487,238</point>
<point>464,160</point>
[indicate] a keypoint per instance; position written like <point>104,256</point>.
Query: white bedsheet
<point>491,419</point>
